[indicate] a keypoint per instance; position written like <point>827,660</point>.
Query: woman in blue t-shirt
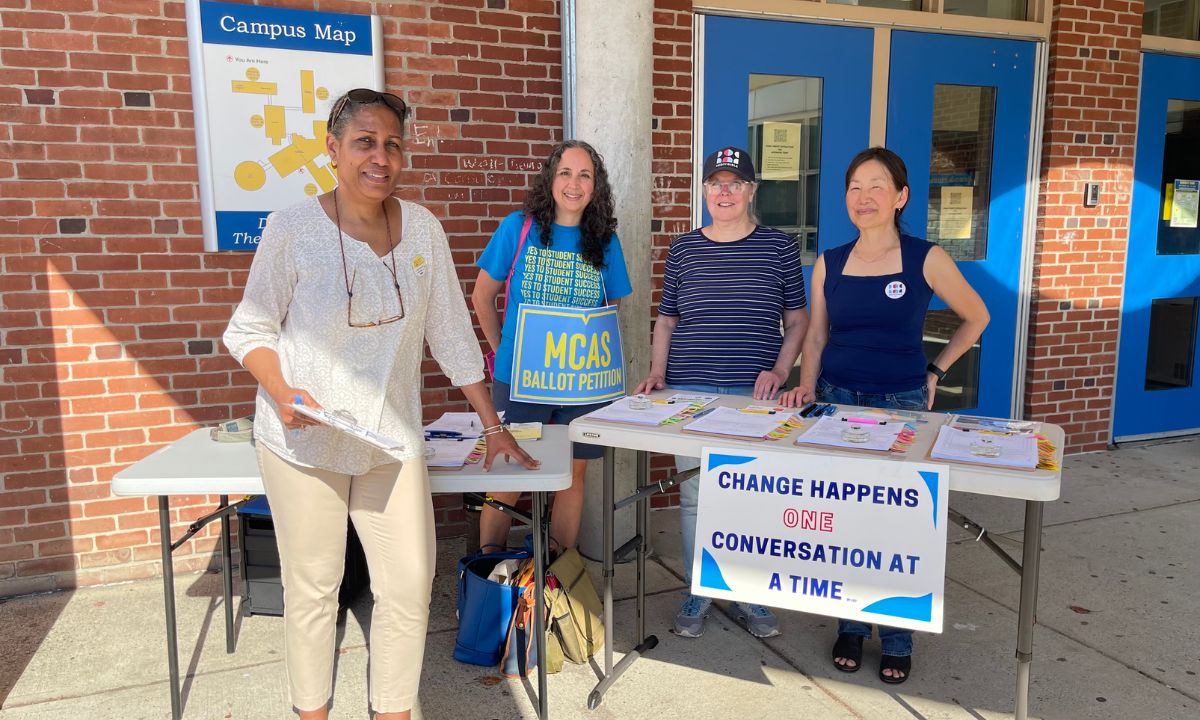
<point>567,255</point>
<point>728,288</point>
<point>869,299</point>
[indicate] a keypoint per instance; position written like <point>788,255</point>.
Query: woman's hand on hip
<point>767,384</point>
<point>503,443</point>
<point>650,384</point>
<point>931,382</point>
<point>798,396</point>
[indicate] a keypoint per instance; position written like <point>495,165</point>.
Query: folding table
<point>1035,487</point>
<point>197,465</point>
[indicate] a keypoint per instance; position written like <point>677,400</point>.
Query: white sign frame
<point>299,62</point>
<point>889,567</point>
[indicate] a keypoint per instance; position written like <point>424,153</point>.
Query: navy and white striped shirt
<point>729,298</point>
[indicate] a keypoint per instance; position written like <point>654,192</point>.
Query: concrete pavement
<point>1116,636</point>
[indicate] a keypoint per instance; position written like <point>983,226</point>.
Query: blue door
<point>959,113</point>
<point>798,97</point>
<point>1158,389</point>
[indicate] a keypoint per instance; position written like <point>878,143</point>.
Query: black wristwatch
<point>937,371</point>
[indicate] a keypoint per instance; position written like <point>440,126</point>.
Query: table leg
<point>539,597</point>
<point>611,672</point>
<point>168,573</point>
<point>643,528</point>
<point>606,537</point>
<point>1026,614</point>
<point>227,575</point>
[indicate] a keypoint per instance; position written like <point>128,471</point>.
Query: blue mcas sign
<point>567,356</point>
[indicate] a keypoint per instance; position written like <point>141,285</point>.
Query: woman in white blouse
<point>344,290</point>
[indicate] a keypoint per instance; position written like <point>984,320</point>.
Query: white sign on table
<point>856,538</point>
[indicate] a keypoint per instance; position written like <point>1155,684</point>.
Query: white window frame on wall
<point>930,17</point>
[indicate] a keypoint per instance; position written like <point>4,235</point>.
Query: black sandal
<point>848,647</point>
<point>895,662</point>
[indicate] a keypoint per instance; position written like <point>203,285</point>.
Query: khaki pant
<point>392,511</point>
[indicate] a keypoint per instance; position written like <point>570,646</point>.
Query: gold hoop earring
<point>333,164</point>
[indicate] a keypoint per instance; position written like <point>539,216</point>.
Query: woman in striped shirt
<point>728,289</point>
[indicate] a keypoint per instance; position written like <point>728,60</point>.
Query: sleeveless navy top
<point>876,323</point>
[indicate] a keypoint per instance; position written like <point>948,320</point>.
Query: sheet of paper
<point>1015,450</point>
<point>690,399</point>
<point>1185,201</point>
<point>620,411</point>
<point>340,422</point>
<point>735,423</point>
<point>955,219</point>
<point>780,151</point>
<point>525,431</point>
<point>448,453</point>
<point>829,430</point>
<point>458,424</point>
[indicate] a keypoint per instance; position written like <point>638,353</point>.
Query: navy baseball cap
<point>733,159</point>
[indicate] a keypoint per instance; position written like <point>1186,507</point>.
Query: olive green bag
<point>574,606</point>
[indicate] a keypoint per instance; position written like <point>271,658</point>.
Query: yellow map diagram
<point>297,153</point>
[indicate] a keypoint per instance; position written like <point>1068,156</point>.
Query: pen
<point>442,434</point>
<point>808,409</point>
<point>865,421</point>
<point>702,413</point>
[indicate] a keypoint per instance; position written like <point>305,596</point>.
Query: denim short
<point>915,399</point>
<point>516,411</point>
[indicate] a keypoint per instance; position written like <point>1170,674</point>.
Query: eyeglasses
<point>350,301</point>
<point>387,224</point>
<point>366,96</point>
<point>735,187</point>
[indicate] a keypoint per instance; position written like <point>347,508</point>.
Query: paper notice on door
<point>781,151</point>
<point>1184,202</point>
<point>954,220</point>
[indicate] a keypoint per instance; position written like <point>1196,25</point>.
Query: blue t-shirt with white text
<point>555,275</point>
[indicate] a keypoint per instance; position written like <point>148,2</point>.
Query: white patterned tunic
<point>295,303</point>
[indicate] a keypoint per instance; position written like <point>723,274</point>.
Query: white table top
<point>196,465</point>
<point>984,480</point>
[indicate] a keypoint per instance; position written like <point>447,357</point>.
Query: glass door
<point>1157,385</point>
<point>959,113</point>
<point>798,97</point>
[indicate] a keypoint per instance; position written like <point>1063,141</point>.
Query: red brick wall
<point>111,313</point>
<point>672,167</point>
<point>1079,263</point>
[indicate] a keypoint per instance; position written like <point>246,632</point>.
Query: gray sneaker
<point>690,620</point>
<point>758,620</point>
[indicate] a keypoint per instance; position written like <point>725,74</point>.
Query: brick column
<point>1079,260</point>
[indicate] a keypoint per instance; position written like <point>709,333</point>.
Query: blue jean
<point>894,641</point>
<point>689,492</point>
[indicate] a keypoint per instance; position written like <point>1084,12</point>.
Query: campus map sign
<point>567,356</point>
<point>855,538</point>
<point>263,80</point>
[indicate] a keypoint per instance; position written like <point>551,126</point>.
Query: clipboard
<point>995,466</point>
<point>353,429</point>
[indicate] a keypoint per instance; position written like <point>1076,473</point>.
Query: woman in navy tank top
<point>863,346</point>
